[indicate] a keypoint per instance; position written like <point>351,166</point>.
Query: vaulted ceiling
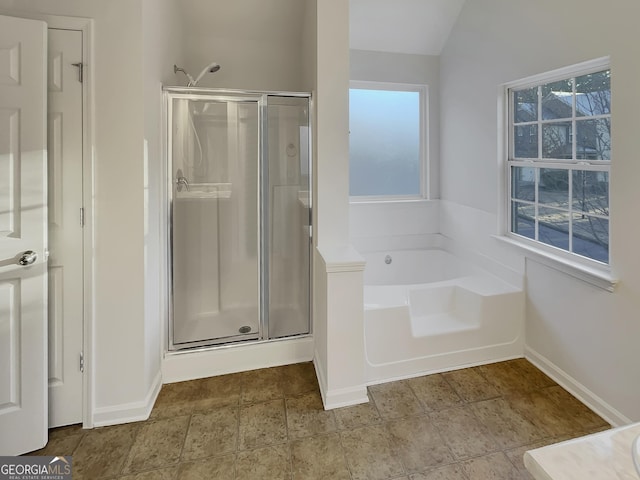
<point>402,26</point>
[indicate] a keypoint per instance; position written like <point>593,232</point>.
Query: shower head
<point>177,69</point>
<point>213,67</point>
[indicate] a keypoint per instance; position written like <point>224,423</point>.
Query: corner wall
<point>338,309</point>
<point>162,48</point>
<point>584,337</point>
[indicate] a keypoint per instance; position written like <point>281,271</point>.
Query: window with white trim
<point>559,157</point>
<point>387,141</point>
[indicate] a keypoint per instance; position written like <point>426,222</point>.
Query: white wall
<point>257,43</point>
<point>587,336</point>
<point>162,47</point>
<point>118,360</point>
<point>377,226</point>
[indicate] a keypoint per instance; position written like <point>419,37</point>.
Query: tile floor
<point>269,424</point>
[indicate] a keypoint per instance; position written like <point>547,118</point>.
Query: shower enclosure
<point>239,203</point>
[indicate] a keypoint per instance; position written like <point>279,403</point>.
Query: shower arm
<point>177,69</point>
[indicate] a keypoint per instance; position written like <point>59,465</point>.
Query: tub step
<point>440,324</point>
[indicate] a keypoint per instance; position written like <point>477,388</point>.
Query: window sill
<point>594,275</point>
<point>389,199</point>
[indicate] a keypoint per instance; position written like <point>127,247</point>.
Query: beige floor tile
<point>540,409</point>
<point>490,467</point>
<point>516,455</point>
<point>102,452</point>
<point>161,474</point>
<point>211,434</point>
<point>580,414</point>
<point>218,468</point>
<point>60,445</point>
<point>470,385</point>
<point>357,416</point>
<point>533,375</point>
<point>306,416</point>
<point>262,424</point>
<point>183,398</point>
<point>463,433</point>
<point>299,378</point>
<point>319,458</point>
<point>395,400</point>
<point>506,378</point>
<point>418,444</point>
<point>270,424</point>
<point>507,426</point>
<point>158,444</point>
<point>449,472</point>
<point>273,463</point>
<point>369,454</point>
<point>434,392</point>
<point>262,385</point>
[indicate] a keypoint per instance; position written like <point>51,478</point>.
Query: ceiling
<point>399,26</point>
<point>402,26</point>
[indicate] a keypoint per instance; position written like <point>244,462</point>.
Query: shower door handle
<point>182,182</point>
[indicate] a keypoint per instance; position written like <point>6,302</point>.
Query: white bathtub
<point>427,311</point>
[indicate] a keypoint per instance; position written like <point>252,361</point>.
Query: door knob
<point>27,258</point>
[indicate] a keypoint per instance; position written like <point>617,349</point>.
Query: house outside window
<point>387,141</point>
<point>559,157</point>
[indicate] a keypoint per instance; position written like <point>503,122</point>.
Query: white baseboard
<point>586,396</point>
<point>181,366</point>
<point>129,412</point>
<point>339,397</point>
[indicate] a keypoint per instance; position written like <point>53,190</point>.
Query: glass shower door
<point>289,200</point>
<point>215,163</point>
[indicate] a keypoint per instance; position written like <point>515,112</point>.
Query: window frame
<point>590,270</point>
<point>423,91</point>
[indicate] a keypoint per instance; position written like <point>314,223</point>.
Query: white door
<point>23,228</point>
<point>65,228</point>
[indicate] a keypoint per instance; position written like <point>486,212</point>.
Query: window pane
<point>594,139</point>
<point>557,140</point>
<point>523,183</point>
<point>525,105</point>
<point>523,219</point>
<point>525,144</point>
<point>384,142</point>
<point>557,100</point>
<point>591,192</point>
<point>591,237</point>
<point>553,227</point>
<point>553,187</point>
<point>593,94</point>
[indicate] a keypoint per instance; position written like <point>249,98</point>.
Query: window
<point>387,141</point>
<point>559,159</point>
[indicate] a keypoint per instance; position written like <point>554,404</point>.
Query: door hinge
<point>82,362</point>
<point>80,67</point>
<point>82,217</point>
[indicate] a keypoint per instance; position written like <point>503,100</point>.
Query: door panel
<point>23,220</point>
<point>215,237</point>
<point>289,200</point>
<point>65,229</point>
